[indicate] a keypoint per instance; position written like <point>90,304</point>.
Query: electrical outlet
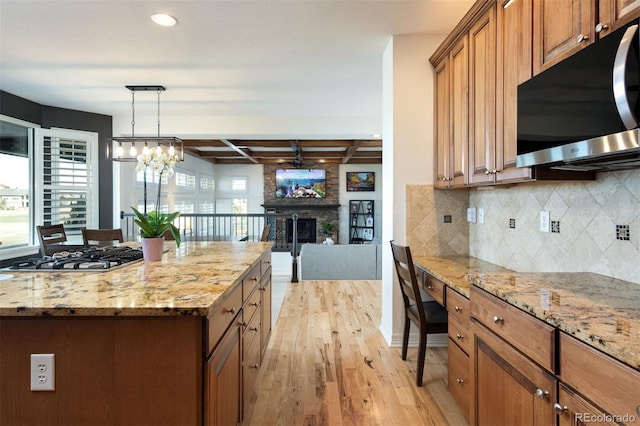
<point>471,215</point>
<point>43,372</point>
<point>480,215</point>
<point>545,224</point>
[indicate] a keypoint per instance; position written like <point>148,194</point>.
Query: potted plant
<point>154,224</point>
<point>327,228</point>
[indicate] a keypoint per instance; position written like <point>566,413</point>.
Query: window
<point>185,180</point>
<point>207,183</point>
<point>239,184</point>
<point>46,177</point>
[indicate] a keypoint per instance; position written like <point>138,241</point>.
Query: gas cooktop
<point>86,259</point>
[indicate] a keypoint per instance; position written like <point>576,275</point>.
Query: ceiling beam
<point>239,151</point>
<point>350,151</point>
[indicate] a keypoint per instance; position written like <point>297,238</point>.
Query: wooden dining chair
<point>265,233</point>
<point>50,234</point>
<point>101,236</point>
<point>429,316</point>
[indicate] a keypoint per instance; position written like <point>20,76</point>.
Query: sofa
<point>340,262</point>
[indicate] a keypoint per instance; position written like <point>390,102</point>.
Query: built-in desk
<point>598,312</point>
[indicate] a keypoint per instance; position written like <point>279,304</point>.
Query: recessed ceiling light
<point>164,19</point>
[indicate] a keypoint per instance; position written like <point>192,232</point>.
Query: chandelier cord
<point>133,112</point>
<point>158,113</point>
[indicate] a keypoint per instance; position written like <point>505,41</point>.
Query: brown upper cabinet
<point>562,28</point>
<point>451,80</point>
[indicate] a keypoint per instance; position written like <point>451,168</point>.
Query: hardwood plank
<point>328,364</point>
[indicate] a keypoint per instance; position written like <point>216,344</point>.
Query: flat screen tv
<point>300,183</point>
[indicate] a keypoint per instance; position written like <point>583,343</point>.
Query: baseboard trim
<point>433,341</point>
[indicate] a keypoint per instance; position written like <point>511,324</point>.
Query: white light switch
<point>545,223</point>
<point>480,215</point>
<point>471,215</point>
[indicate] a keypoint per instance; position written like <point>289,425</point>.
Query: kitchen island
<point>142,344</point>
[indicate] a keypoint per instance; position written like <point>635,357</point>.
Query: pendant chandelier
<point>128,148</point>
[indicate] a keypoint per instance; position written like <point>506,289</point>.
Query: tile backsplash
<point>597,224</point>
<point>436,221</point>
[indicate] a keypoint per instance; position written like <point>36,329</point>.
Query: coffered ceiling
<point>247,81</point>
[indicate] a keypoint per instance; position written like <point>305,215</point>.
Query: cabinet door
<point>459,113</point>
<point>514,31</point>
<point>508,388</point>
<point>573,410</point>
<point>443,130</point>
<point>223,384</point>
<point>482,101</point>
<point>265,329</point>
<point>613,14</point>
<point>560,29</point>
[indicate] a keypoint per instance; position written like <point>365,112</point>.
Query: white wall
<point>345,197</point>
<point>255,184</point>
<point>407,152</point>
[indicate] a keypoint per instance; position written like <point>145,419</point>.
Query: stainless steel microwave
<point>582,113</point>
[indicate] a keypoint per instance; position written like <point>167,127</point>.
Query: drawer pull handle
<point>601,27</point>
<point>457,308</point>
<point>460,381</point>
<point>243,324</point>
<point>254,278</point>
<point>430,288</point>
<point>542,394</point>
<point>255,366</point>
<point>498,319</point>
<point>254,304</point>
<point>559,409</point>
<point>459,336</point>
<point>254,329</point>
<point>230,310</point>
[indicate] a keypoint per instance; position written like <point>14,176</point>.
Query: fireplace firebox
<point>306,230</point>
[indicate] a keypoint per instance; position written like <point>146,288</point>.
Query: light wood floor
<point>327,364</point>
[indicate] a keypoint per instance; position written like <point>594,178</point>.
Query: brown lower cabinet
<point>223,397</point>
<point>574,410</point>
<point>508,389</point>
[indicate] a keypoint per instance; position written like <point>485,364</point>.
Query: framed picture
<point>367,234</point>
<point>368,221</point>
<point>361,181</point>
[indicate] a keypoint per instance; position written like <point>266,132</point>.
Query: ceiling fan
<point>299,162</point>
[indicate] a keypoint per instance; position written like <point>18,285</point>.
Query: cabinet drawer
<point>460,335</point>
<point>458,307</point>
<point>434,287</point>
<point>610,384</point>
<point>251,367</point>
<point>250,282</point>
<point>219,321</point>
<point>250,332</point>
<point>252,304</point>
<point>530,335</point>
<point>265,263</point>
<point>458,377</point>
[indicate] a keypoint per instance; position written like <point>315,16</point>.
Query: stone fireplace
<point>306,230</point>
<point>312,212</point>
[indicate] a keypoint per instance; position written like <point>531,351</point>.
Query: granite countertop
<point>601,311</point>
<point>189,280</point>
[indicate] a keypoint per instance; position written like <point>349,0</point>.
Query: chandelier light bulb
<point>145,150</point>
<point>133,151</point>
<point>172,150</point>
<point>119,150</point>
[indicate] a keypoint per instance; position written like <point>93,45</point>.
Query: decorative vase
<point>152,249</point>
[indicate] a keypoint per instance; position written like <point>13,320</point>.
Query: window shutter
<point>69,167</point>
